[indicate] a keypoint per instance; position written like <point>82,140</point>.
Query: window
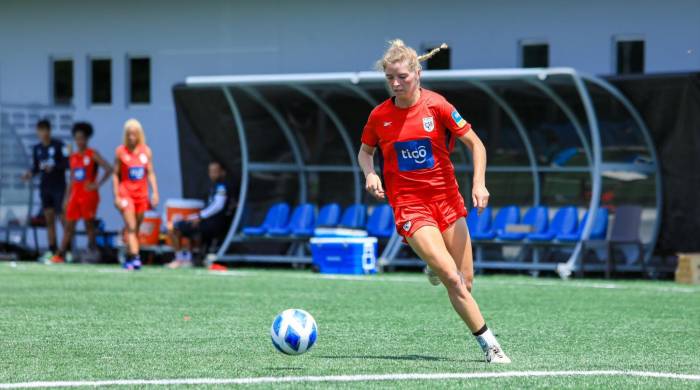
<point>630,56</point>
<point>101,81</point>
<point>140,80</point>
<point>441,60</point>
<point>62,81</point>
<point>534,54</point>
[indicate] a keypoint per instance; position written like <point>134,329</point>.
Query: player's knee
<point>456,285</point>
<point>468,281</point>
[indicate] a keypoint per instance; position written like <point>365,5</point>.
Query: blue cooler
<point>345,255</point>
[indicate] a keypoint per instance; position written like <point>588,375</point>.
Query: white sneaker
<point>46,257</point>
<point>432,276</point>
<point>496,355</point>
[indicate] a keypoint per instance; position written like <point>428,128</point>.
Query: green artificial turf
<point>71,322</point>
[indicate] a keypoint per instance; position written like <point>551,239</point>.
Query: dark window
<point>535,55</point>
<point>441,60</point>
<point>62,81</point>
<point>630,57</point>
<point>101,73</point>
<point>140,83</point>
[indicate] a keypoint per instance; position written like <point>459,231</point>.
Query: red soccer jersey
<point>83,170</point>
<point>416,143</point>
<point>134,166</point>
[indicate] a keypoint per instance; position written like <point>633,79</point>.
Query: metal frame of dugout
<point>567,90</point>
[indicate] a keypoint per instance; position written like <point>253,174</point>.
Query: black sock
<point>481,331</point>
<point>52,248</point>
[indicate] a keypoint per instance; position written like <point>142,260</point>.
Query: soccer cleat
<point>46,257</point>
<point>494,354</point>
<point>57,259</point>
<point>68,257</point>
<point>432,276</point>
<point>128,265</point>
<point>136,263</point>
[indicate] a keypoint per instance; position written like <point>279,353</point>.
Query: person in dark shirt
<point>49,161</point>
<point>212,221</point>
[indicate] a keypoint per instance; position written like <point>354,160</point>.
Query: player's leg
<point>91,230</point>
<point>183,257</point>
<point>69,232</point>
<point>132,244</point>
<point>459,245</point>
<point>50,217</point>
<point>429,244</point>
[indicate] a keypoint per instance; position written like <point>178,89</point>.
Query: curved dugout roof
<point>554,136</point>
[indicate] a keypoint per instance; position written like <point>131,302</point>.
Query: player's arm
<point>106,167</point>
<point>35,166</point>
<point>480,195</point>
<point>115,181</point>
<point>373,183</point>
<point>152,180</point>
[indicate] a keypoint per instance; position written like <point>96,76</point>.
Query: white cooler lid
<point>343,240</point>
<point>184,203</point>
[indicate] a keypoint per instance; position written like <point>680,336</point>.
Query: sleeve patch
<point>459,121</point>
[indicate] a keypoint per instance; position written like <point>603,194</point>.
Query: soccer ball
<point>293,332</point>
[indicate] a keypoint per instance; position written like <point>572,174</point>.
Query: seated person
<point>212,221</point>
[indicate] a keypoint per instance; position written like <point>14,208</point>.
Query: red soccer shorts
<point>441,214</point>
<point>137,205</point>
<point>83,206</point>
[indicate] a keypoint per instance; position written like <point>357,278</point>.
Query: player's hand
<point>154,200</point>
<point>373,185</point>
<point>27,175</point>
<point>92,186</point>
<point>480,197</point>
<point>118,203</point>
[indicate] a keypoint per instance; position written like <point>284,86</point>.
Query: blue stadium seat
<point>329,215</point>
<point>381,222</point>
<point>276,217</point>
<point>354,217</point>
<point>536,216</point>
<point>565,221</point>
<point>506,215</point>
<point>300,224</point>
<point>598,232</point>
<point>479,224</point>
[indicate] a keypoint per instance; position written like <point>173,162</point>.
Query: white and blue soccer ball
<point>294,332</point>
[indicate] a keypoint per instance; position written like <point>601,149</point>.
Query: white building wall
<point>209,37</point>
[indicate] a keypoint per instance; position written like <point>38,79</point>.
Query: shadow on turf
<point>390,357</point>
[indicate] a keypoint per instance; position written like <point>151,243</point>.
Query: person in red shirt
<point>132,175</point>
<point>83,196</point>
<point>416,130</point>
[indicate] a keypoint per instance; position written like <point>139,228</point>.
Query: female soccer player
<point>83,195</point>
<point>416,130</point>
<point>132,175</point>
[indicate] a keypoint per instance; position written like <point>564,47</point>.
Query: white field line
<point>478,281</point>
<point>349,378</point>
<point>376,278</point>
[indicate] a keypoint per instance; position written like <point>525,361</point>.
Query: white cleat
<point>496,355</point>
<point>432,276</point>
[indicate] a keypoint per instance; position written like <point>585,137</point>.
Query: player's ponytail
<point>431,53</point>
<point>399,52</point>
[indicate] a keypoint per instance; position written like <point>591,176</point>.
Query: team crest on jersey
<point>407,226</point>
<point>143,158</point>
<point>428,124</point>
<point>86,160</point>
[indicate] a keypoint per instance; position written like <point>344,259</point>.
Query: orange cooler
<point>180,209</point>
<point>150,228</point>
